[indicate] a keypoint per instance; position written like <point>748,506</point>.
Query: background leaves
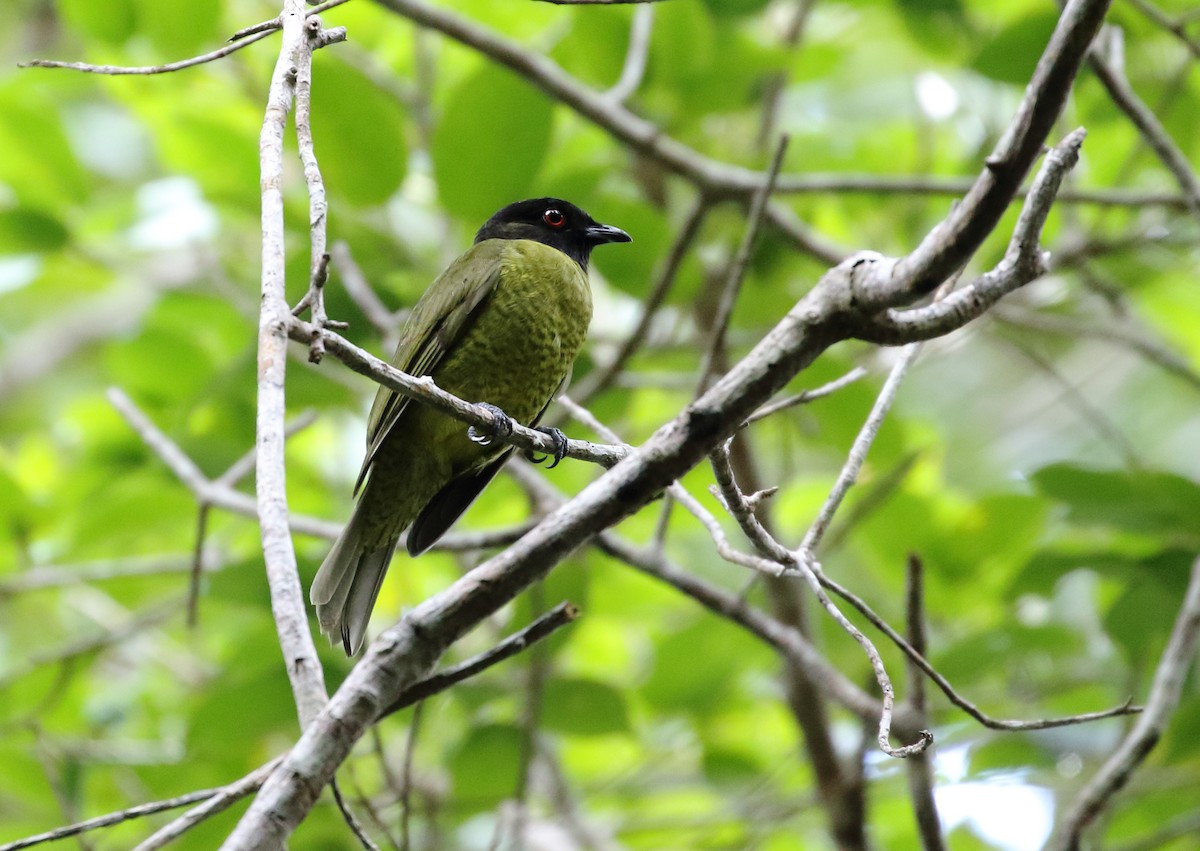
<point>1047,479</point>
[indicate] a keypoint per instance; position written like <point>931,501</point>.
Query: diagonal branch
<point>1107,59</point>
<point>1024,261</point>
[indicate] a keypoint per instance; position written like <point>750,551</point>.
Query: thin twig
<point>111,636</point>
<point>531,717</point>
<point>1169,677</point>
<point>788,642</point>
<point>806,396</point>
<point>121,70</point>
<point>1023,261</point>
<point>351,820</point>
<point>275,23</point>
<point>559,616</point>
<point>778,559</point>
<point>636,55</point>
<point>802,237</point>
<point>1142,344</point>
<point>220,800</point>
<point>715,345</point>
<point>1107,58</point>
<point>217,493</point>
<point>920,767</point>
<point>51,760</point>
<point>1094,415</point>
<point>871,497</point>
<point>603,377</point>
<point>372,811</point>
<point>567,809</point>
<point>775,551</point>
<point>244,465</point>
<point>406,782</point>
<point>193,599</point>
<point>128,814</point>
<point>58,576</point>
<point>317,207</point>
<point>858,450</point>
<point>840,782</point>
<point>953,696</point>
<point>775,85</point>
<point>1175,28</point>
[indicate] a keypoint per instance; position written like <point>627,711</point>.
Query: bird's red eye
<point>554,218</point>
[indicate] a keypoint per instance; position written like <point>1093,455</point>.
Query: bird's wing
<point>455,498</point>
<point>449,504</point>
<point>434,326</point>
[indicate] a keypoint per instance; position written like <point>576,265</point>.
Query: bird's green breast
<point>520,344</point>
<point>513,351</point>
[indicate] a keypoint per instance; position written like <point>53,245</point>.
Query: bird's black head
<point>557,223</point>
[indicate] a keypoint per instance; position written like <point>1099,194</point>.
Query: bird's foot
<point>501,428</point>
<point>560,447</point>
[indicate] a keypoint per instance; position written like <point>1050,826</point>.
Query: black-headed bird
<point>501,325</point>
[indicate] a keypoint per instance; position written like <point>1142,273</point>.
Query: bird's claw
<point>560,447</point>
<point>502,427</point>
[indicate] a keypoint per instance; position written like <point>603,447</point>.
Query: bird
<point>502,325</point>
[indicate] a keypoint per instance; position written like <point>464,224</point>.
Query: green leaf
<point>1160,503</point>
<point>722,765</point>
<point>1142,617</point>
<point>112,22</point>
<point>1183,736</point>
<point>24,230</point>
<point>180,28</point>
<point>695,668</point>
<point>735,8</point>
<point>584,707</point>
<point>489,146</point>
<point>238,709</point>
<point>17,512</point>
<point>1044,569</point>
<point>38,162</point>
<point>485,765</point>
<point>1011,55</point>
<point>682,43</point>
<point>159,366</point>
<point>358,133</point>
<point>1007,753</point>
<point>594,49</point>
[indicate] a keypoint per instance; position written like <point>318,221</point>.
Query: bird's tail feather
<point>348,582</point>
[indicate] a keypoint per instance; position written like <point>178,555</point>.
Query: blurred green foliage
<point>1057,526</point>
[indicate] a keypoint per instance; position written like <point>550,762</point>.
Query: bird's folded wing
<point>436,323</point>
